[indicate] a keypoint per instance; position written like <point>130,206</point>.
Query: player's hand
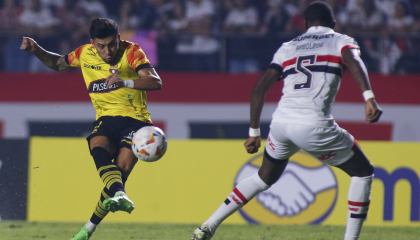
<point>113,79</point>
<point>252,144</point>
<point>29,45</point>
<point>373,111</point>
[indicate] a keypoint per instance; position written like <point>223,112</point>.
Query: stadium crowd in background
<point>212,35</point>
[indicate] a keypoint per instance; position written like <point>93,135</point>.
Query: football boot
<point>83,234</point>
<point>202,233</point>
<point>119,202</point>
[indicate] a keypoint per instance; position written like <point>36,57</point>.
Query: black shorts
<point>119,130</point>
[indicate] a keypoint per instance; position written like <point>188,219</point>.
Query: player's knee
<point>272,169</point>
<point>99,152</point>
<point>126,167</point>
<point>365,170</point>
<point>101,141</point>
<point>125,170</point>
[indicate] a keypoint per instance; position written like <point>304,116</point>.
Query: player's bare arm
<point>359,73</point>
<point>149,80</point>
<point>49,59</point>
<point>265,82</point>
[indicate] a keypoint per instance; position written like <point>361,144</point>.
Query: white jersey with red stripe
<point>312,68</point>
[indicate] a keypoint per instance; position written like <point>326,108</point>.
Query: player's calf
<point>358,205</point>
<point>108,171</point>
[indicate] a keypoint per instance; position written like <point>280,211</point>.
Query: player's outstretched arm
<point>360,75</point>
<point>263,84</point>
<point>149,81</point>
<point>51,60</point>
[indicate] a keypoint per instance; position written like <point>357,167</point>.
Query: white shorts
<point>332,145</point>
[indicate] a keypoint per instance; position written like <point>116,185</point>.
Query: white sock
<point>243,192</point>
<point>91,227</point>
<point>121,192</point>
<point>359,200</point>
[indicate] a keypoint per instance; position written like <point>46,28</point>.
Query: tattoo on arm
<point>357,69</point>
<point>51,60</point>
<point>360,75</point>
<point>62,65</point>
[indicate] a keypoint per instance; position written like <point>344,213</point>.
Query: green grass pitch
<point>11,230</point>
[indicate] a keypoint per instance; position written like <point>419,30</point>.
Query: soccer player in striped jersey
<point>117,74</point>
<point>311,66</point>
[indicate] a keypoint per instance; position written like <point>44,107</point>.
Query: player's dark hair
<point>102,28</point>
<point>319,12</point>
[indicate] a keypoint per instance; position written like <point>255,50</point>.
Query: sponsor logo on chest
<point>99,86</point>
<point>91,66</point>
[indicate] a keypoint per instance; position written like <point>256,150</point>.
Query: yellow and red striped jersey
<point>113,101</point>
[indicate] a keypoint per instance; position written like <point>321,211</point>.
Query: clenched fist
<point>29,45</point>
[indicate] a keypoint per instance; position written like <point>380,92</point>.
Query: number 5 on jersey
<point>307,60</point>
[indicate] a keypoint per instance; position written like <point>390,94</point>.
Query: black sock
<point>108,171</point>
<point>100,212</point>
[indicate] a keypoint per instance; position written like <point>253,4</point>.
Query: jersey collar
<point>315,29</point>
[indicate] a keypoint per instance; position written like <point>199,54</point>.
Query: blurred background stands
<point>210,35</point>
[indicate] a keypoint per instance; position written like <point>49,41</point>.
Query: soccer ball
<point>149,144</point>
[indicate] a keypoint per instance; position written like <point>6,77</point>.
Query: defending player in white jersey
<point>311,65</point>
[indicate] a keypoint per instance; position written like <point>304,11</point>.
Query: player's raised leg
<point>101,151</point>
<point>125,163</point>
<point>361,172</point>
<point>109,172</point>
<point>268,174</point>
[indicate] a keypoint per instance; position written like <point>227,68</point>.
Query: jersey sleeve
<point>137,58</point>
<point>278,59</point>
<point>346,42</point>
<point>73,58</point>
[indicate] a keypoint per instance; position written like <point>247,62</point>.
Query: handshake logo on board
<point>296,189</point>
<point>305,193</point>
